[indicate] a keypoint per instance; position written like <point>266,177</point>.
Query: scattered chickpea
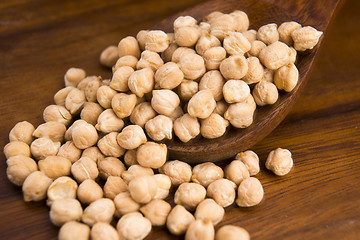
<point>101,210</point>
<point>119,81</point>
<point>187,36</point>
<point>126,224</point>
<point>60,96</point>
<point>250,192</point>
<point>109,147</point>
<point>89,191</point>
<point>143,188</point>
<point>55,166</point>
<point>275,55</point>
<point>255,71</point>
<point>131,137</point>
<point>123,104</point>
<point>177,113</point>
<point>241,20</point>
<point>125,61</point>
<point>213,57</point>
<point>235,91</point>
<point>141,38</point>
<point>240,115</point>
<point>104,96</point>
<point>61,188</point>
<point>187,89</point>
<point>108,122</point>
<point>16,148</point>
<point>268,75</point>
<point>305,38</point>
<point>180,52</point>
<point>156,211</point>
<point>213,81</point>
<point>42,147</point>
<point>230,232</point>
<point>192,65</point>
<point>268,33</point>
<point>83,169</point>
<point>125,204</point>
<point>279,161</point>
<point>130,158</point>
<point>35,186</point>
<point>206,173</point>
<point>163,186</point>
<point>84,136</point>
<point>200,230</point>
<point>221,25</point>
<point>186,127</point>
<point>65,210</point>
<point>91,89</point>
<point>251,161</point>
<point>184,21</point>
<point>159,128</point>
<point>22,131</point>
<point>73,76</point>
<point>135,171</point>
<point>285,29</point>
<point>168,53</point>
<point>179,220</point>
<point>265,93</point>
<point>292,55</point>
<point>205,42</point>
<point>168,76</point>
<point>74,230</point>
<point>286,77</point>
<point>250,35</point>
<point>189,195</point>
<point>236,44</point>
<point>156,41</point>
<point>142,113</point>
<point>222,191</point>
<point>91,112</point>
<point>129,46</point>
<point>221,107</point>
<point>212,16</point>
<point>109,56</point>
<point>149,59</point>
<point>141,81</point>
<point>208,209</point>
<point>83,83</point>
<point>57,113</point>
<point>236,171</point>
<point>53,130</point>
<point>234,67</point>
<point>75,101</point>
<point>256,47</point>
<point>113,186</point>
<point>110,166</point>
<point>178,171</point>
<point>151,154</point>
<point>68,133</point>
<point>164,101</point>
<point>103,231</point>
<point>204,28</point>
<point>93,153</point>
<point>202,104</point>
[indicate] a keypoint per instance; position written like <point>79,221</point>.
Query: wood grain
<point>319,199</point>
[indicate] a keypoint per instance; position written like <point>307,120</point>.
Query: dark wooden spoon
<point>307,13</point>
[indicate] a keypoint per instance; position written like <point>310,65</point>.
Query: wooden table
<point>319,199</point>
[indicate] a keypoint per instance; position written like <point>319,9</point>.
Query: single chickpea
<point>22,131</point>
<point>168,53</point>
<point>141,38</point>
<point>65,210</point>
<point>109,147</point>
<point>123,104</point>
<point>150,59</point>
<point>125,204</point>
<point>255,71</point>
<point>53,130</point>
<point>57,113</point>
<point>73,76</point>
<point>104,95</point>
<point>187,89</point>
<point>240,115</point>
<point>204,28</point>
<point>221,107</point>
<point>61,188</point>
<point>187,36</point>
<point>180,52</point>
<point>125,61</point>
<point>74,230</point>
<point>179,220</point>
<point>93,153</point>
<point>168,76</point>
<point>83,83</point>
<point>202,104</point>
<point>151,154</point>
<point>75,101</point>
<point>143,188</point>
<point>265,93</point>
<point>205,42</point>
<point>213,126</point>
<point>222,191</point>
<point>206,173</point>
<point>103,231</point>
<point>178,171</point>
<point>135,171</point>
<point>236,171</point>
<point>292,55</point>
<point>236,44</point>
<point>229,232</point>
<point>213,57</point>
<point>212,16</point>
<point>192,65</point>
<point>184,21</point>
<point>208,209</point>
<point>108,122</point>
<point>256,47</point>
<point>268,33</point>
<point>275,55</point>
<point>130,158</point>
<point>60,96</point>
<point>141,81</point>
<point>83,169</point>
<point>156,211</point>
<point>109,56</point>
<point>251,161</point>
<point>142,113</point>
<point>285,30</point>
<point>286,77</point>
<point>19,168</point>
<point>190,195</point>
<point>16,148</point>
<point>268,75</point>
<point>68,133</point>
<point>110,166</point>
<point>177,113</point>
<point>250,35</point>
<point>119,80</point>
<point>159,128</point>
<point>91,89</point>
<point>241,20</point>
<point>42,147</point>
<point>129,46</point>
<point>164,101</point>
<point>91,112</point>
<point>250,192</point>
<point>131,137</point>
<point>234,67</point>
<point>89,191</point>
<point>200,230</point>
<point>163,186</point>
<point>35,186</point>
<point>126,224</point>
<point>235,91</point>
<point>186,127</point>
<point>84,135</point>
<point>221,25</point>
<point>305,38</point>
<point>279,161</point>
<point>55,166</point>
<point>101,210</point>
<point>213,81</point>
<point>156,41</point>
<point>113,186</point>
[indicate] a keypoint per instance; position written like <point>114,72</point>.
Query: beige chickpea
<point>91,89</point>
<point>208,209</point>
<point>164,101</point>
<point>236,44</point>
<point>141,81</point>
<point>120,78</point>
<point>177,113</point>
<point>42,147</point>
<point>93,153</point>
<point>53,130</point>
<point>268,33</point>
<point>285,29</point>
<point>179,220</point>
<point>292,55</point>
<point>113,186</point>
<point>240,115</point>
<point>126,224</point>
<point>103,231</point>
<point>91,112</point>
<point>204,27</point>
<point>213,57</point>
<point>142,113</point>
<point>221,107</point>
<point>179,172</point>
<point>200,230</point>
<point>57,113</point>
<point>149,59</point>
<point>65,210</point>
<point>213,81</point>
<point>75,100</point>
<point>168,53</point>
<point>104,96</point>
<point>74,230</point>
<point>286,77</point>
<point>83,169</point>
<point>250,192</point>
<point>189,195</point>
<point>163,186</point>
<point>230,232</point>
<point>275,55</point>
<point>205,42</point>
<point>156,41</point>
<point>60,96</point>
<point>234,67</point>
<point>131,137</point>
<point>151,154</point>
<point>123,104</point>
<point>251,161</point>
<point>213,126</point>
<point>241,20</point>
<point>236,171</point>
<point>202,104</point>
<point>156,211</point>
<point>19,168</point>
<point>256,47</point>
<point>255,71</point>
<point>221,25</point>
<point>83,83</point>
<point>235,91</point>
<point>55,166</point>
<point>68,133</point>
<point>212,16</point>
<point>84,135</point>
<point>35,186</point>
<point>125,61</point>
<point>125,204</point>
<point>250,35</point>
<point>110,166</point>
<point>186,127</point>
<point>108,122</point>
<point>265,93</point>
<point>222,191</point>
<point>135,171</point>
<point>89,191</point>
<point>180,52</point>
<point>62,188</point>
<point>192,65</point>
<point>143,188</point>
<point>101,210</point>
<point>206,173</point>
<point>16,148</point>
<point>279,161</point>
<point>109,56</point>
<point>159,128</point>
<point>22,131</point>
<point>168,76</point>
<point>305,38</point>
<point>130,158</point>
<point>141,38</point>
<point>109,147</point>
<point>268,75</point>
<point>184,21</point>
<point>187,89</point>
<point>187,36</point>
<point>73,76</point>
<point>129,46</point>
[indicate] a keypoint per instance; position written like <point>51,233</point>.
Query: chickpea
<point>159,128</point>
<point>93,153</point>
<point>57,113</point>
<point>141,38</point>
<point>22,131</point>
<point>42,147</point>
<point>255,71</point>
<point>156,41</point>
<point>286,77</point>
<point>180,52</point>
<point>104,96</point>
<point>221,107</point>
<point>213,81</point>
<point>103,231</point>
<point>192,65</point>
<point>126,224</point>
<point>214,126</point>
<point>279,161</point>
<point>55,166</point>
<point>177,113</point>
<point>156,211</point>
<point>123,104</point>
<point>108,122</point>
<point>178,171</point>
<point>251,161</point>
<point>168,53</point>
<point>142,113</point>
<point>240,115</point>
<point>128,46</point>
<point>189,195</point>
<point>229,232</point>
<point>256,47</point>
<point>234,67</point>
<point>186,127</point>
<point>53,130</point>
<point>222,191</point>
<point>68,133</point>
<point>204,28</point>
<point>202,104</point>
<point>91,112</point>
<point>250,192</point>
<point>73,76</point>
<point>91,89</point>
<point>141,81</point>
<point>128,61</point>
<point>120,78</point>
<point>292,55</point>
<point>164,101</point>
<point>150,59</point>
<point>131,137</point>
<point>143,188</point>
<point>60,96</point>
<point>89,191</point>
<point>130,158</point>
<point>241,20</point>
<point>184,21</point>
<point>179,220</point>
<point>187,36</point>
<point>168,76</point>
<point>235,91</point>
<point>113,186</point>
<point>151,154</point>
<point>213,57</point>
<point>250,35</point>
<point>163,186</point>
<point>268,33</point>
<point>16,148</point>
<point>84,136</point>
<point>236,44</point>
<point>187,89</point>
<point>74,230</point>
<point>236,172</point>
<point>305,38</point>
<point>212,16</point>
<point>206,173</point>
<point>136,171</point>
<point>83,169</point>
<point>109,56</point>
<point>275,55</point>
<point>75,101</point>
<point>125,204</point>
<point>205,42</point>
<point>265,93</point>
<point>83,83</point>
<point>35,186</point>
<point>110,166</point>
<point>65,210</point>
<point>285,30</point>
<point>200,230</point>
<point>221,25</point>
<point>109,147</point>
<point>101,210</point>
<point>208,209</point>
<point>268,75</point>
<point>62,188</point>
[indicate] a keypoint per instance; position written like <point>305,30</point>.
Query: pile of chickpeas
<point>98,158</point>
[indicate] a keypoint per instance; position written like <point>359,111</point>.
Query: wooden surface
<point>319,199</point>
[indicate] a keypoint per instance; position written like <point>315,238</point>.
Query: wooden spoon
<point>307,13</point>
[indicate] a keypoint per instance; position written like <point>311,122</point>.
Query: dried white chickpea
<point>268,75</point>
<point>113,186</point>
<point>83,169</point>
<point>89,191</point>
<point>305,38</point>
<point>91,112</point>
<point>125,61</point>
<point>250,192</point>
<point>109,56</point>
<point>211,16</point>
<point>187,89</point>
<point>74,230</point>
<point>156,41</point>
<point>192,65</point>
<point>131,137</point>
<point>202,104</point>
<point>22,131</point>
<point>292,55</point>
<point>75,100</point>
<point>164,101</point>
<point>178,171</point>
<point>35,186</point>
<point>286,77</point>
<point>236,44</point>
<point>189,195</point>
<point>229,232</point>
<point>265,93</point>
<point>240,115</point>
<point>129,46</point>
<point>156,211</point>
<point>62,188</point>
<point>135,171</point>
<point>57,113</point>
<point>19,168</point>
<point>123,104</point>
<point>141,38</point>
<point>221,107</point>
<point>55,166</point>
<point>177,113</point>
<point>68,132</point>
<point>15,148</point>
<point>65,210</point>
<point>256,47</point>
<point>275,55</point>
<point>103,231</point>
<point>209,210</point>
<point>126,228</point>
<point>184,21</point>
<point>130,158</point>
<point>241,20</point>
<point>180,52</point>
<point>143,188</point>
<point>234,67</point>
<point>186,127</point>
<point>279,161</point>
<point>108,122</point>
<point>119,80</point>
<point>142,113</point>
<point>167,54</point>
<point>53,130</point>
<point>222,191</point>
<point>205,42</point>
<point>179,220</point>
<point>93,153</point>
<point>101,210</point>
<point>151,154</point>
<point>251,161</point>
<point>285,29</point>
<point>213,57</point>
<point>42,147</point>
<point>83,83</point>
<point>204,27</point>
<point>109,147</point>
<point>235,91</point>
<point>104,95</point>
<point>84,135</point>
<point>141,81</point>
<point>73,76</point>
<point>159,128</point>
<point>250,35</point>
<point>125,204</point>
<point>205,173</point>
<point>149,59</point>
<point>168,76</point>
<point>60,96</point>
<point>200,230</point>
<point>91,89</point>
<point>236,171</point>
<point>268,33</point>
<point>221,25</point>
<point>187,36</point>
<point>213,126</point>
<point>255,71</point>
<point>163,186</point>
<point>213,81</point>
<point>110,166</point>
